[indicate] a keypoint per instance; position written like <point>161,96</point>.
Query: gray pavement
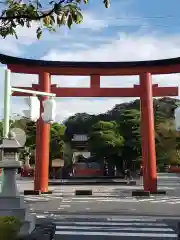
<point>108,205</point>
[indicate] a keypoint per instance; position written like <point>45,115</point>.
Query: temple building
<point>83,164</point>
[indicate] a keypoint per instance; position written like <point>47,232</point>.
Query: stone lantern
<point>9,152</point>
<point>11,202</point>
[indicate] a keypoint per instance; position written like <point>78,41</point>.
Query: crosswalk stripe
<point>118,234</point>
<point>116,229</point>
<point>115,218</point>
<point>117,200</point>
<point>115,224</point>
<point>125,226</point>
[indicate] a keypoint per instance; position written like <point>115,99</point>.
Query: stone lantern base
<point>11,203</point>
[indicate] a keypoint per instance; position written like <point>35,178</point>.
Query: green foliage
<point>56,133</point>
<point>9,228</point>
<point>130,128</point>
<point>57,14</point>
<point>67,154</point>
<point>105,140</point>
<point>57,143</point>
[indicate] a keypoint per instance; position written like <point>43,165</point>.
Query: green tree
<point>1,129</point>
<point>57,140</point>
<point>67,154</point>
<point>106,142</point>
<point>167,144</point>
<point>29,127</point>
<point>56,136</point>
<point>47,16</point>
<point>129,123</point>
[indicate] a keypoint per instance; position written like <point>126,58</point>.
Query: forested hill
<point>82,122</point>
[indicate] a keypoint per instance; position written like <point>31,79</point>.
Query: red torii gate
<point>145,90</point>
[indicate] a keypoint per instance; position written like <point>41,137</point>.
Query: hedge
<point>9,227</point>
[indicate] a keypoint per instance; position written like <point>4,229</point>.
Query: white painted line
<point>145,200</point>
<point>35,198</point>
<point>101,199</point>
<point>131,219</point>
<point>114,223</point>
<point>117,218</point>
<point>65,206</point>
<point>175,202</point>
<point>118,234</point>
<point>116,228</point>
<point>158,201</point>
<point>86,198</point>
<point>117,200</point>
<point>41,216</point>
<point>32,198</point>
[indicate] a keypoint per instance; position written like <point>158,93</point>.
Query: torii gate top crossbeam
<point>30,66</point>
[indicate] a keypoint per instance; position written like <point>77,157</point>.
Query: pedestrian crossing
<point>92,199</point>
<point>124,226</point>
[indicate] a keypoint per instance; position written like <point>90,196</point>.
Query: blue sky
<point>129,30</point>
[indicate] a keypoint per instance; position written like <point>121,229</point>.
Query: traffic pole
<point>7,97</point>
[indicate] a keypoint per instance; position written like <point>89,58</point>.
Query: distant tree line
<point>113,136</point>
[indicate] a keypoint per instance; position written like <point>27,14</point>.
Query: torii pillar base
<point>36,192</point>
<point>143,193</point>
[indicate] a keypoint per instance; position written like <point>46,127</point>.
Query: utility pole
<point>8,90</point>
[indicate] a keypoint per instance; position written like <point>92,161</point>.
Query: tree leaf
<point>39,33</point>
<point>70,21</point>
<point>107,3</point>
<point>52,18</point>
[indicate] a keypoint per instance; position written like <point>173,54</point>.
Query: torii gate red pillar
<point>148,133</point>
<point>42,140</point>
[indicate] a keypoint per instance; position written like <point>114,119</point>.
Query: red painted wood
<point>174,68</point>
<point>95,81</point>
<point>42,142</point>
<point>153,85</point>
<point>148,133</point>
<point>106,92</point>
<point>88,172</point>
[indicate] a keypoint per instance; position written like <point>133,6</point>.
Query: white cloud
<point>130,47</point>
<point>126,47</point>
<point>9,47</point>
<point>27,36</point>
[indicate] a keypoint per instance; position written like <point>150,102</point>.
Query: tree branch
<point>24,16</point>
<point>27,16</point>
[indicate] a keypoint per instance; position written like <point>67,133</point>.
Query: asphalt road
<point>111,200</point>
<point>128,217</point>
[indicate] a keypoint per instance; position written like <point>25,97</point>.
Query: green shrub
<point>9,228</point>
